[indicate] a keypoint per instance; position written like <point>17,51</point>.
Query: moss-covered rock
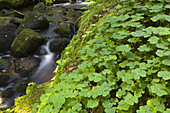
<point>62,29</point>
<point>7,33</point>
<point>40,6</point>
<point>59,44</point>
<point>33,20</point>
<point>26,42</point>
<point>32,96</point>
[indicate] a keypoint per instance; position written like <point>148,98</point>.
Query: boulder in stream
<point>59,44</point>
<point>26,43</point>
<point>34,20</point>
<point>40,6</point>
<point>63,29</point>
<point>24,66</point>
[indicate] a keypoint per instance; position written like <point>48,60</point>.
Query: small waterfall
<point>45,72</point>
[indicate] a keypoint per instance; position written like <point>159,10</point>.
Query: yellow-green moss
<point>24,103</point>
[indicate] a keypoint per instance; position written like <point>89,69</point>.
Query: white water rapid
<point>45,70</point>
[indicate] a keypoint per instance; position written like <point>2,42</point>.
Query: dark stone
<point>7,34</point>
<point>8,93</point>
<point>3,79</point>
<point>26,43</point>
<point>18,14</point>
<point>16,21</point>
<point>24,66</point>
<point>33,20</point>
<point>21,87</point>
<point>60,1</point>
<point>59,44</point>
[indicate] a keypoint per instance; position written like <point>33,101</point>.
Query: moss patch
<point>24,103</point>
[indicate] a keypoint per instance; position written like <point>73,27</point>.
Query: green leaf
<point>130,99</point>
<point>153,40</point>
<point>124,48</point>
<point>140,33</point>
<point>92,103</point>
<point>159,89</point>
<point>143,48</point>
<point>123,105</point>
<point>164,74</point>
<point>166,62</point>
<point>162,46</point>
<point>145,109</point>
<point>137,73</point>
<point>118,36</point>
<point>158,17</point>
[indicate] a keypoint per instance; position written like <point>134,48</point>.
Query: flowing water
<point>45,70</point>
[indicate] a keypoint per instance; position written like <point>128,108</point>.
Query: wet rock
<point>24,66</point>
<point>7,93</point>
<point>40,6</point>
<point>7,34</point>
<point>59,44</point>
<point>33,20</point>
<point>15,3</point>
<point>3,79</point>
<point>18,14</point>
<point>21,87</point>
<point>60,1</point>
<point>26,43</point>
<point>16,21</point>
<point>62,29</point>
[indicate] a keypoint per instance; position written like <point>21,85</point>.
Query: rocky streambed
<point>31,40</point>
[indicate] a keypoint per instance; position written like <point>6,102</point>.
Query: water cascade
<point>45,72</point>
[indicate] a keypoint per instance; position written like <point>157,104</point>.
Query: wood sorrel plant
<point>121,64</point>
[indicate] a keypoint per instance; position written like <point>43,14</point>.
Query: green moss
<point>24,103</point>
<point>5,19</point>
<point>62,29</point>
<point>26,42</point>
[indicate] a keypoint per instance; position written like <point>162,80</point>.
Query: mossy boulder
<point>32,96</point>
<point>62,29</point>
<point>7,33</point>
<point>59,44</point>
<point>26,42</point>
<point>40,6</point>
<point>34,20</point>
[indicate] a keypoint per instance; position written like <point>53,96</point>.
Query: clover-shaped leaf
<point>159,89</point>
<point>137,73</point>
<point>153,40</point>
<point>166,62</point>
<point>124,48</point>
<point>164,74</point>
<point>92,103</point>
<point>143,48</point>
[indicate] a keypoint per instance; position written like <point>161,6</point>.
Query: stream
<point>39,66</point>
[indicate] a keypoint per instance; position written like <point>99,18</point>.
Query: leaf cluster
<point>122,64</point>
